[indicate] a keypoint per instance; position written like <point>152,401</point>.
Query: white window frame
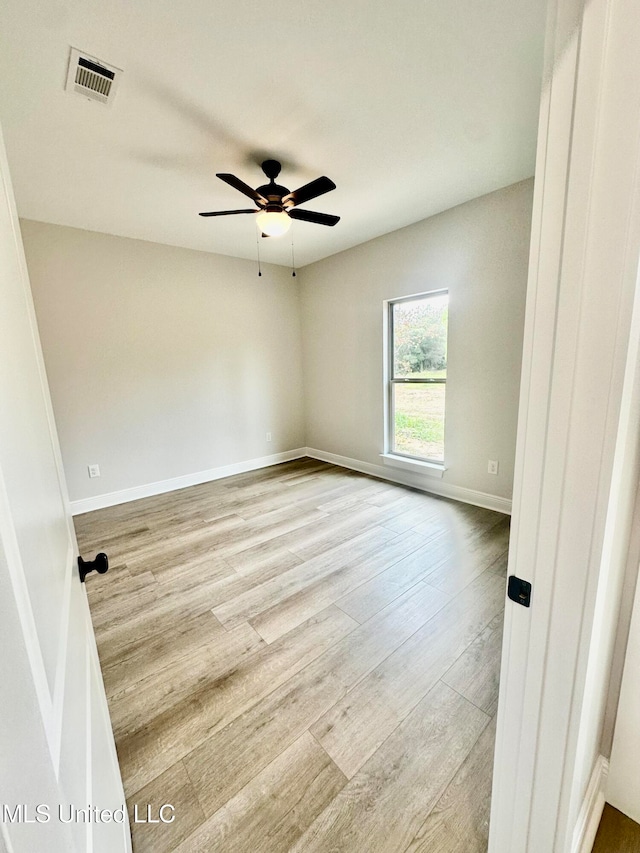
<point>433,467</point>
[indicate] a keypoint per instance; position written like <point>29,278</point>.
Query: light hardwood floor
<point>302,659</point>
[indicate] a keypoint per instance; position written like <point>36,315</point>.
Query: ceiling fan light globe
<point>274,224</point>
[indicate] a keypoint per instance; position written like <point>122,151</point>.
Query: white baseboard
<point>588,821</point>
<point>417,481</point>
<point>159,488</point>
<point>395,475</point>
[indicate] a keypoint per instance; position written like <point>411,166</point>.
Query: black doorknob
<point>100,565</point>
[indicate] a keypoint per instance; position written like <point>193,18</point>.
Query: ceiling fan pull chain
<point>258,248</point>
<point>293,259</point>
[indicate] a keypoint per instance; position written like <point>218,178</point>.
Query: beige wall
<point>162,361</point>
<point>165,362</point>
<point>479,251</point>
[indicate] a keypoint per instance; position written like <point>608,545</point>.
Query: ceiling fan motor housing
<point>274,207</point>
<point>274,193</point>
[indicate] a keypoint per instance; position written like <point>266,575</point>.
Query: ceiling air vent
<point>91,77</point>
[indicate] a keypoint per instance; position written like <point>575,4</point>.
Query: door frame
<point>578,410</point>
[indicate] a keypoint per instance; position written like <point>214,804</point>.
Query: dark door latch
<point>519,591</point>
<point>100,565</point>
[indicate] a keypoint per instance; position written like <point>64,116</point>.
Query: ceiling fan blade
<point>311,216</point>
<point>312,190</point>
<point>226,212</point>
<point>237,184</point>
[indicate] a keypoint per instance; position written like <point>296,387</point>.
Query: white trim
<point>97,698</point>
<point>416,481</point>
<point>4,835</point>
<point>413,476</point>
<point>63,655</point>
<point>412,296</point>
<point>584,833</point>
<point>88,735</point>
<point>150,489</point>
<point>420,466</point>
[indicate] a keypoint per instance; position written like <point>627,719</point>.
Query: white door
<point>60,784</point>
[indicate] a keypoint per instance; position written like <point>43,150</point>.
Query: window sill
<point>432,469</point>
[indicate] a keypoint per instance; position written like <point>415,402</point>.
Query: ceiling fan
<point>276,205</point>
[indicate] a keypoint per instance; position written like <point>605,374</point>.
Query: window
<point>417,371</point>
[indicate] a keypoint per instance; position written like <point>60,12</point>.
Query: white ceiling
<point>411,107</point>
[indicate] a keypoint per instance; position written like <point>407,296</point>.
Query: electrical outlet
<point>268,436</point>
<point>94,470</point>
<point>492,467</point>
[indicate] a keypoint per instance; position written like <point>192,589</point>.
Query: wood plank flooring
<point>617,833</point>
<point>302,659</point>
